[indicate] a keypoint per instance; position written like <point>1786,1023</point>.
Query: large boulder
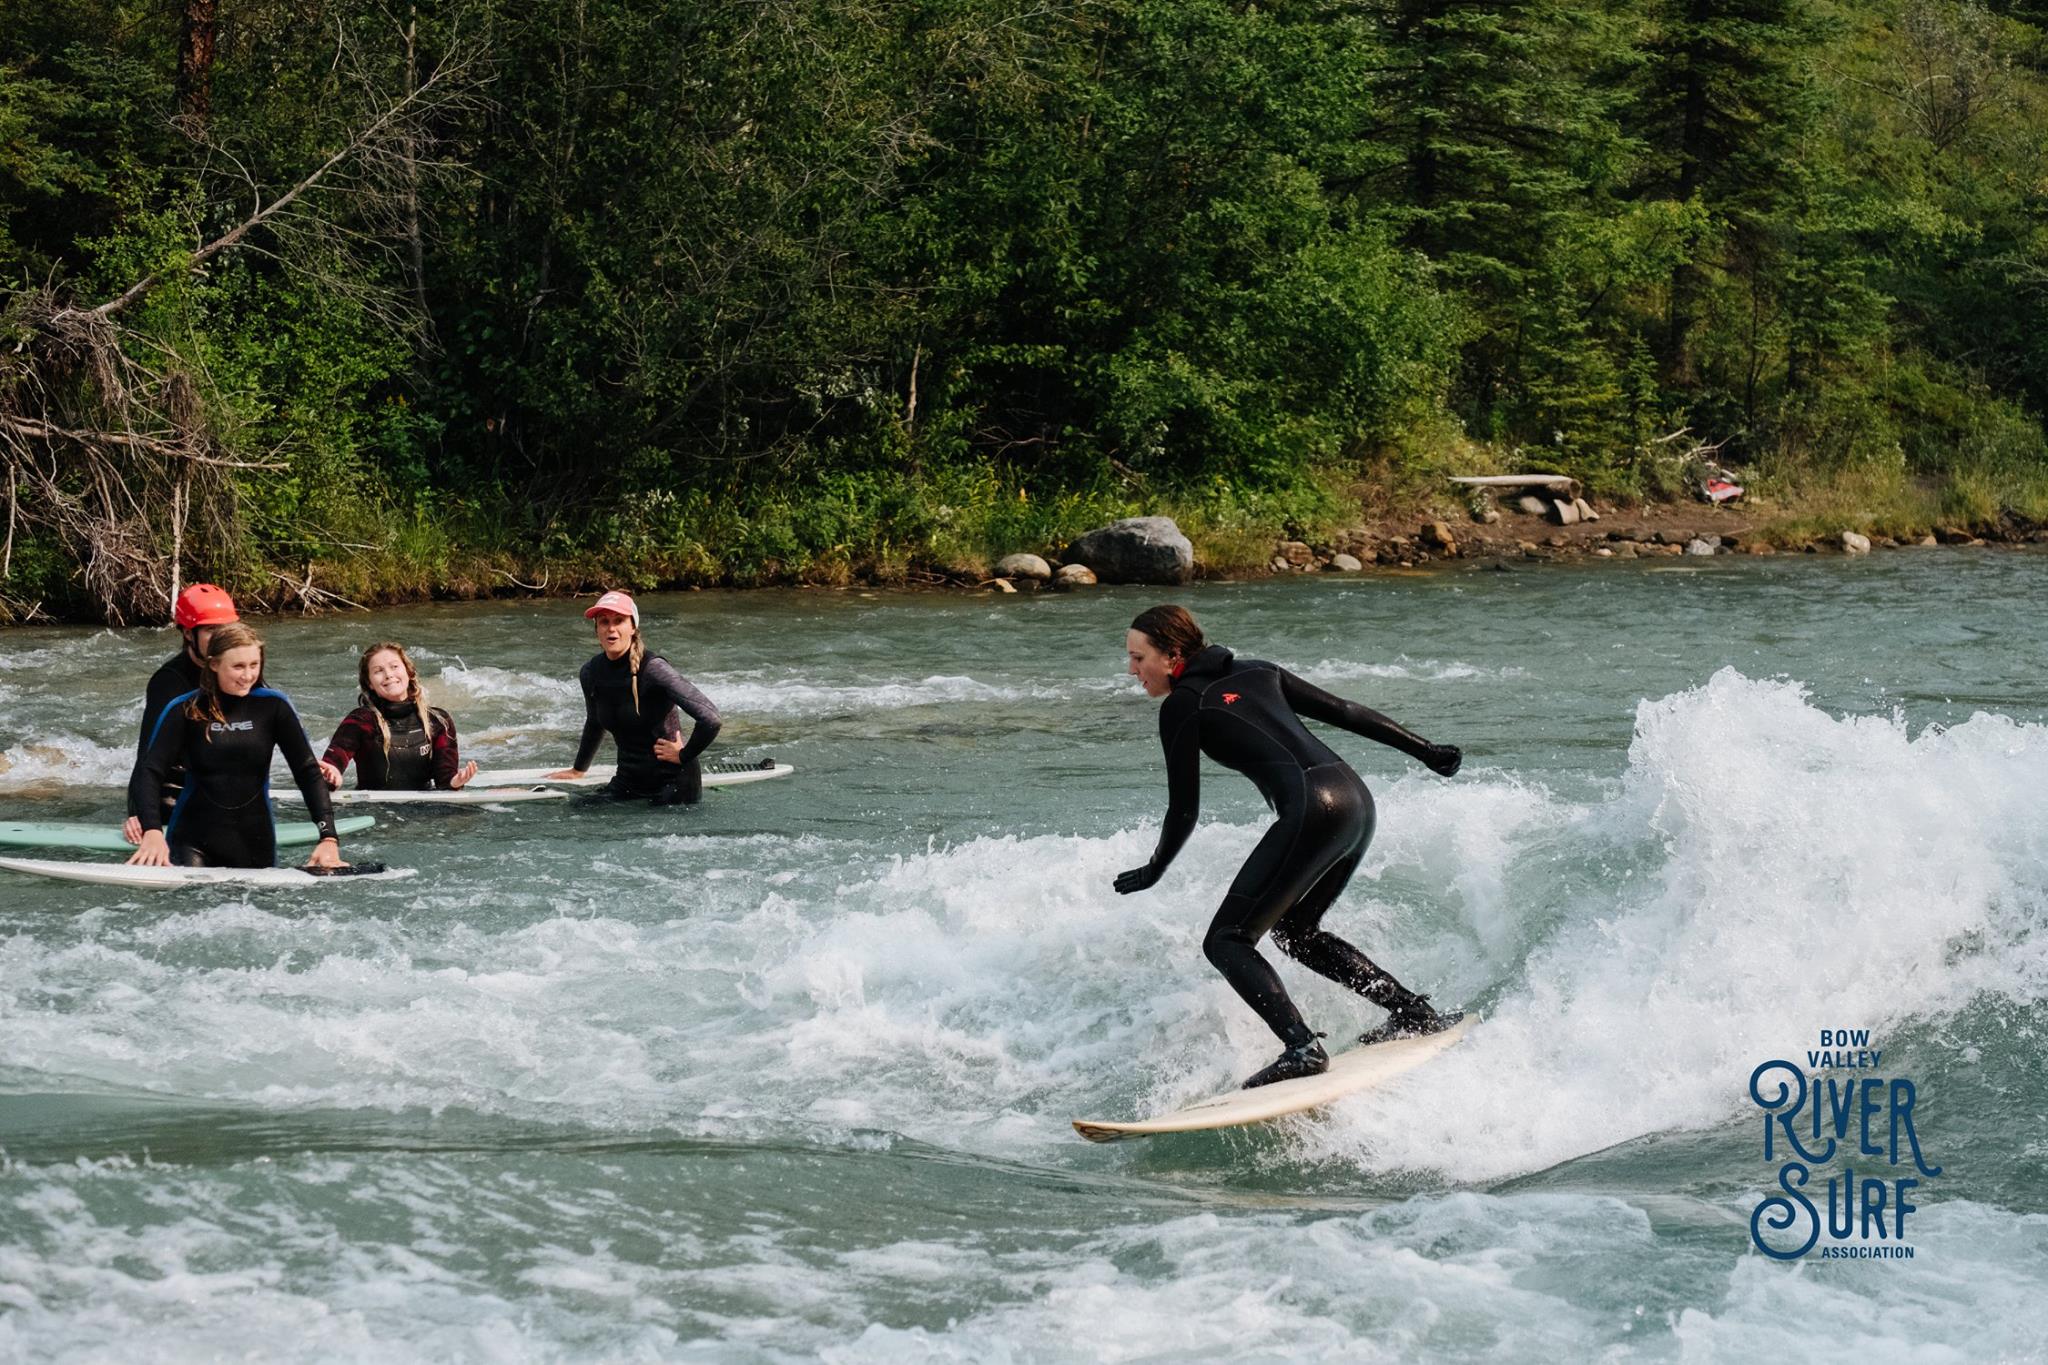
<point>1135,550</point>
<point>1074,576</point>
<point>1026,566</point>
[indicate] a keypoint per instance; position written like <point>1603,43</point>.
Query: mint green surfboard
<point>93,838</point>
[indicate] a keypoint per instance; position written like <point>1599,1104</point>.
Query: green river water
<point>789,1075</point>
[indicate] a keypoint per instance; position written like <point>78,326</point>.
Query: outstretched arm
<point>449,771</point>
<point>593,730</point>
<point>1311,701</point>
<point>1179,735</point>
<point>146,785</point>
<point>297,751</point>
<point>356,729</point>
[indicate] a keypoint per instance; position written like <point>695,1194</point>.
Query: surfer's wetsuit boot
<point>1300,1059</point>
<point>1413,1020</point>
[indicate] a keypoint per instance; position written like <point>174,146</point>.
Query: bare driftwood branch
<point>116,440</point>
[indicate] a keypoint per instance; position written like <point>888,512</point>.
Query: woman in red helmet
<point>198,610</point>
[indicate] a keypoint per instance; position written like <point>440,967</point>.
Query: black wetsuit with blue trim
<point>222,817</point>
<point>1246,714</point>
<point>178,675</point>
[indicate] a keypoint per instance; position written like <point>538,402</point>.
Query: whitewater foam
<point>1795,869</point>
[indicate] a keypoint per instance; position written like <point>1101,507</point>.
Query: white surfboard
<point>715,775</point>
<point>1361,1068</point>
<point>167,878</point>
<point>433,796</point>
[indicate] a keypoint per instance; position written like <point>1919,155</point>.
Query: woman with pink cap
<point>638,698</point>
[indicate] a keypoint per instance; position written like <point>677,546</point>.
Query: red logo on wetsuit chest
<point>1229,697</point>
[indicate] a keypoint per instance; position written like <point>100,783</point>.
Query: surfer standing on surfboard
<point>402,743</point>
<point>221,734</point>
<point>1247,716</point>
<point>636,697</point>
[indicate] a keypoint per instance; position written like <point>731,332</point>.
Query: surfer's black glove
<point>1444,758</point>
<point>1137,879</point>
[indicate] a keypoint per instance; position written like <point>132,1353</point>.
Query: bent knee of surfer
<point>1247,716</point>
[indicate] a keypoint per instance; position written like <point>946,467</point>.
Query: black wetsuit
<point>222,817</point>
<point>608,708</point>
<point>178,676</point>
<point>1246,715</point>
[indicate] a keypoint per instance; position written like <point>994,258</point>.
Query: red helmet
<point>202,604</point>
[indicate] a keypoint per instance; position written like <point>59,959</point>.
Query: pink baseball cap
<point>618,604</point>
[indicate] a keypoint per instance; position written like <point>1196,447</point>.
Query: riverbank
<point>1621,533</point>
<point>1335,525</point>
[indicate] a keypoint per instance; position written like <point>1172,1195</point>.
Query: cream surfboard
<point>1361,1068</point>
<point>432,796</point>
<point>715,775</point>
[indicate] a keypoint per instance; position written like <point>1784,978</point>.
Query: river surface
<point>789,1075</point>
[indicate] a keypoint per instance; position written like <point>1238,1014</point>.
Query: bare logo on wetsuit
<point>217,726</point>
<point>1808,1121</point>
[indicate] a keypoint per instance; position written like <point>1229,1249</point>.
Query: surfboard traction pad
<point>1351,1071</point>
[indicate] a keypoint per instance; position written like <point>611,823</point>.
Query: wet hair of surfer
<point>1160,643</point>
<point>233,667</point>
<point>388,687</point>
<point>1247,715</point>
<point>387,671</point>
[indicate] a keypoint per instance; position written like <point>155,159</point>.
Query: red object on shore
<point>1720,490</point>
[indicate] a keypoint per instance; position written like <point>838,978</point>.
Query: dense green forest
<point>376,298</point>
